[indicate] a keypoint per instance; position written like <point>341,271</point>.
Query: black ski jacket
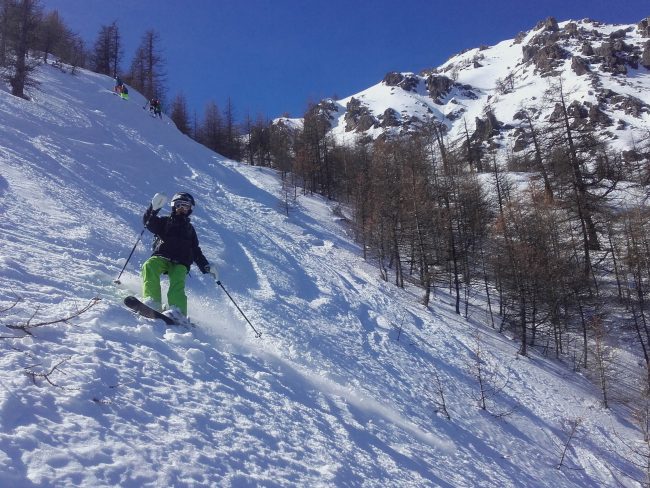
<point>175,239</point>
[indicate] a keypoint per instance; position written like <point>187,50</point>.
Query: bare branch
<point>16,302</point>
<point>573,426</point>
<point>441,403</point>
<point>29,325</point>
<point>46,376</point>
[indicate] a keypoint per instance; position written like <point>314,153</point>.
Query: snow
<point>328,396</point>
<point>495,64</point>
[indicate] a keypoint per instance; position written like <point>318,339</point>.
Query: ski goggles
<point>182,204</point>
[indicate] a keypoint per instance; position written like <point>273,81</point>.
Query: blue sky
<point>274,56</point>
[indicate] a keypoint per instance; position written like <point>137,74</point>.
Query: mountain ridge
<point>605,69</point>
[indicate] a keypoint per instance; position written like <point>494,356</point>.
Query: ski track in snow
<point>327,397</point>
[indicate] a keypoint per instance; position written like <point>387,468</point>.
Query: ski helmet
<point>185,198</point>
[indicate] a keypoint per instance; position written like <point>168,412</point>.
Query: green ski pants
<point>151,271</point>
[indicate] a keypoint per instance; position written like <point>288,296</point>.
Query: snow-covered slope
<point>341,389</point>
<point>604,69</point>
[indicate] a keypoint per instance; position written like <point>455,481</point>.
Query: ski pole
<point>257,334</point>
<point>117,280</point>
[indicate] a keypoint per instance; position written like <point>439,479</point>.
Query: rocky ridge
<point>604,70</point>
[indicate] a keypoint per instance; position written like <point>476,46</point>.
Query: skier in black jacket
<point>175,248</point>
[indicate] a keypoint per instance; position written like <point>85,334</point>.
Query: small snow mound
<point>195,356</point>
<point>145,332</point>
<point>178,338</point>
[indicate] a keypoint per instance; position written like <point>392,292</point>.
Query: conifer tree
<point>107,52</point>
<point>179,114</point>
<point>312,152</point>
<point>147,73</point>
<point>574,148</point>
<point>4,31</point>
<point>210,132</point>
<point>52,34</point>
<point>259,142</point>
<point>280,148</point>
<point>20,23</point>
<point>231,143</point>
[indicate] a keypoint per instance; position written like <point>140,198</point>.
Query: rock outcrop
<point>579,65</point>
<point>593,60</point>
<point>407,82</point>
<point>645,56</point>
<point>390,118</point>
<point>438,86</point>
<point>358,118</point>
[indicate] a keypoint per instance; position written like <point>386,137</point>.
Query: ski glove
<point>158,201</point>
<point>212,272</point>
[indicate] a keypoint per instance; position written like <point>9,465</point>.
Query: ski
<point>140,308</point>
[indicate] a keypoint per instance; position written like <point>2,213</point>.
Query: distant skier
<point>175,248</point>
<point>125,92</point>
<point>155,107</point>
<point>119,85</point>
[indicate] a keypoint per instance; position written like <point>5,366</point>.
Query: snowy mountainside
<point>341,390</point>
<point>605,70</point>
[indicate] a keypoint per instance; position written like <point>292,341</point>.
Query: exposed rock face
<point>329,105</point>
<point>571,30</point>
<point>619,45</point>
<point>390,118</point>
<point>548,54</point>
<point>323,111</point>
<point>408,82</point>
<point>610,61</point>
<point>627,103</point>
<point>486,128</point>
<point>549,34</point>
<point>645,57</point>
<point>597,117</point>
<point>519,38</point>
<point>582,114</point>
<point>412,122</point>
<point>439,86</point>
<point>644,27</point>
<point>528,52</point>
<point>548,25</point>
<point>521,140</point>
<point>600,55</point>
<point>393,78</point>
<point>467,91</point>
<point>587,49</point>
<point>455,114</point>
<point>634,156</point>
<point>619,34</point>
<point>615,55</point>
<point>352,114</point>
<point>366,121</point>
<point>358,117</point>
<point>543,49</point>
<point>579,65</point>
<point>519,115</point>
<point>545,58</point>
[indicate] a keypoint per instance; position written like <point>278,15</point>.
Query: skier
<point>125,92</point>
<point>175,248</point>
<point>119,85</point>
<point>155,107</point>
